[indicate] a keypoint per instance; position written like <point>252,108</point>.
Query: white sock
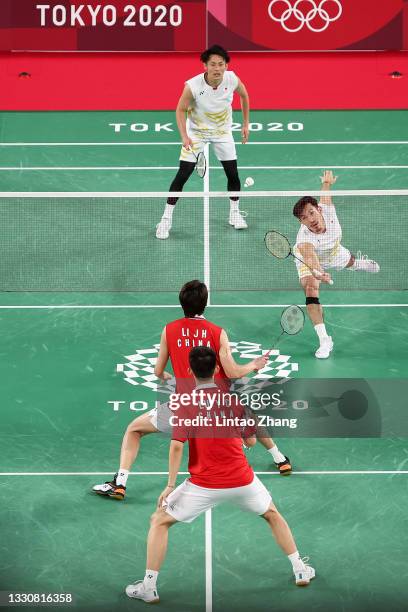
<point>168,211</point>
<point>321,331</point>
<point>150,579</point>
<point>276,454</point>
<point>234,205</point>
<point>296,562</point>
<point>121,478</point>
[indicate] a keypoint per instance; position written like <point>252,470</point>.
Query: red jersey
<point>216,456</point>
<point>184,334</point>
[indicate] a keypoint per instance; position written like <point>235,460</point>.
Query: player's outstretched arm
<point>175,457</point>
<point>162,359</point>
<point>243,94</point>
<point>183,105</point>
<point>327,179</point>
<point>309,256</point>
<point>231,367</point>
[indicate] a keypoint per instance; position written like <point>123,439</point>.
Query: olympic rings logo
<point>305,19</point>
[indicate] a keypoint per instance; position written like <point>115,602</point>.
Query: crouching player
<point>219,472</point>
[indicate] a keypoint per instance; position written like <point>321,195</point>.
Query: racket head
<point>201,165</point>
<point>292,320</point>
<point>277,244</point>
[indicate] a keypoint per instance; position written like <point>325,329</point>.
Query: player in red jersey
<point>219,472</point>
<point>177,339</point>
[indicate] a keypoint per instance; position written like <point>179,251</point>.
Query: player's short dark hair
<point>215,50</point>
<point>302,203</point>
<point>193,298</point>
<point>202,360</point>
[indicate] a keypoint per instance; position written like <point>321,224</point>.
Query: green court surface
<point>108,243</point>
<point>82,151</point>
<point>67,359</point>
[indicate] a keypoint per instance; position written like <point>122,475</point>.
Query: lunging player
<point>318,244</point>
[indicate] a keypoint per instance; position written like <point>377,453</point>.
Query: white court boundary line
<point>98,168</point>
<point>198,194</point>
<point>208,514</point>
<point>71,168</point>
<point>274,473</point>
<point>208,560</point>
<point>206,212</point>
<point>178,143</point>
<point>113,306</point>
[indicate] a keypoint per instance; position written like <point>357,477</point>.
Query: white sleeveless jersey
<point>327,244</point>
<point>211,110</point>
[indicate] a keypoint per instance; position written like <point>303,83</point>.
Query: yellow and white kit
<point>332,255</point>
<point>210,117</point>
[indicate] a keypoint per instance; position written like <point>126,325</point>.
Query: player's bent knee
<point>311,286</point>
<point>184,172</point>
<point>157,518</point>
<point>141,426</point>
<point>271,513</point>
<point>160,518</point>
<point>133,426</point>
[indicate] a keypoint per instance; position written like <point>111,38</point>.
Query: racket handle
<point>318,273</point>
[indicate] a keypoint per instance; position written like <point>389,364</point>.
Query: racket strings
<point>292,320</point>
<point>277,244</point>
<point>201,165</point>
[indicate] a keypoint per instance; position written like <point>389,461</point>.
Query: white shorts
<point>336,262</point>
<point>188,501</point>
<point>160,418</point>
<point>224,146</point>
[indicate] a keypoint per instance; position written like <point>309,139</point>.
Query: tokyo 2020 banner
<point>192,25</point>
<point>103,25</point>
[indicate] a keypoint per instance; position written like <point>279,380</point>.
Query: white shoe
<point>163,228</point>
<point>304,577</point>
<point>137,590</point>
<point>236,218</point>
<point>325,348</point>
<point>363,264</point>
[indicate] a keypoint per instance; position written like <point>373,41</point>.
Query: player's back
<point>184,334</point>
<point>216,456</point>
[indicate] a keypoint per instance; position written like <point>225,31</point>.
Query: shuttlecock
<point>249,181</point>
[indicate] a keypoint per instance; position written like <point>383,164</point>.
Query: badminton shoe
<point>363,264</point>
<point>111,489</point>
<point>237,219</point>
<point>137,590</point>
<point>163,228</point>
<point>284,467</point>
<point>304,576</point>
<point>325,348</point>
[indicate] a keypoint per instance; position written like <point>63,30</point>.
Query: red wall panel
<point>155,81</point>
<point>191,25</point>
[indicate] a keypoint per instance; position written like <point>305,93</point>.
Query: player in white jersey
<point>206,100</point>
<point>318,244</point>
